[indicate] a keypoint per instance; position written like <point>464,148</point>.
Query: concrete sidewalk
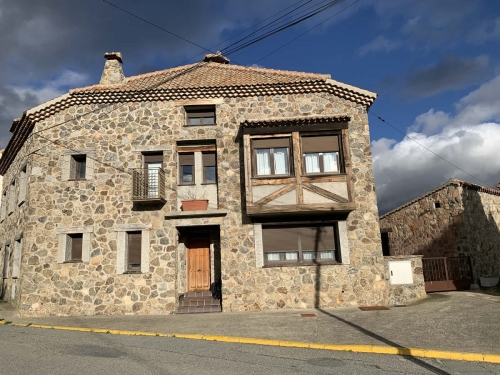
<point>455,321</point>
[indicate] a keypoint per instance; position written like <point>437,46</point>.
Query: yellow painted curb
<point>375,349</point>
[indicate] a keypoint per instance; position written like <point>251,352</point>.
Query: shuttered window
<point>271,157</point>
<point>134,240</point>
<point>186,168</point>
<point>299,244</point>
<point>200,115</point>
<point>321,154</point>
<point>209,167</point>
<point>6,259</point>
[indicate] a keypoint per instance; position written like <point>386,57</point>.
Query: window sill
<point>209,183</point>
<point>186,184</point>
<point>191,214</point>
<point>324,174</point>
<point>302,264</point>
<point>72,261</point>
<point>192,126</point>
<point>132,272</point>
<point>77,179</point>
<point>273,177</point>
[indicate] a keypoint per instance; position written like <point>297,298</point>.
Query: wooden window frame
<point>181,172</point>
<point>128,269</point>
<point>205,166</point>
<point>300,257</point>
<point>200,112</point>
<point>340,157</point>
<point>78,159</point>
<point>271,158</point>
<point>70,243</point>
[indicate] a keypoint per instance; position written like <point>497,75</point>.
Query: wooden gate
<point>199,264</point>
<point>447,273</point>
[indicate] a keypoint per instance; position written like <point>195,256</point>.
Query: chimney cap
<point>497,185</point>
<point>216,57</point>
<point>113,56</point>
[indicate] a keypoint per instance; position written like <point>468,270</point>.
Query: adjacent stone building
<point>96,212</point>
<point>455,219</point>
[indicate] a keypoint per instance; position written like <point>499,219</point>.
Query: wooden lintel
<point>297,166</point>
<point>272,181</point>
<point>325,193</point>
<point>318,178</point>
<point>299,128</point>
<point>271,135</point>
<point>278,193</point>
<point>300,208</point>
<point>196,149</point>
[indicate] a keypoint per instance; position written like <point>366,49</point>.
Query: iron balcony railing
<point>148,185</point>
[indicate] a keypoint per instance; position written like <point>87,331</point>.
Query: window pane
<point>82,167</point>
<point>330,161</point>
<point>187,173</point>
<point>153,178</point>
<point>273,256</point>
<point>210,175</point>
<point>194,121</point>
<point>280,161</point>
<point>309,255</point>
<point>291,256</point>
<point>312,163</point>
<point>263,161</point>
<point>209,120</point>
<point>327,255</point>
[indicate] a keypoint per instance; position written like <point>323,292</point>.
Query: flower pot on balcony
<point>194,205</point>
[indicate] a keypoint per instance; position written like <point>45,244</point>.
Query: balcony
<point>148,185</point>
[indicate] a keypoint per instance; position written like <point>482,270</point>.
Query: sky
<point>434,64</point>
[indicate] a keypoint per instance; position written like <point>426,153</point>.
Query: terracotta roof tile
<point>270,122</point>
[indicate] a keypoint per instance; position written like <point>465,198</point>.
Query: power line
<point>432,152</point>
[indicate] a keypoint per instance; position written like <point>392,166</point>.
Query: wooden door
<point>198,264</point>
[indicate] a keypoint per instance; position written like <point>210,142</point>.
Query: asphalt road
<point>41,351</point>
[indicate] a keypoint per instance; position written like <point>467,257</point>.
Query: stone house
<point>95,215</point>
<point>455,219</point>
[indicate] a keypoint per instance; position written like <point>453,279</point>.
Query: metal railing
<point>148,184</point>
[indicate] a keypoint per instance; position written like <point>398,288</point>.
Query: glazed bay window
<point>200,115</point>
<point>271,157</point>
<point>321,154</point>
<point>186,168</point>
<point>305,244</point>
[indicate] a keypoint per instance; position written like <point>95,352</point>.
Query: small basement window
<point>200,115</point>
<point>78,165</point>
<point>437,204</point>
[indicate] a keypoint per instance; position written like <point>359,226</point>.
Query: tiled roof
<point>451,181</point>
<point>195,81</point>
<point>271,122</point>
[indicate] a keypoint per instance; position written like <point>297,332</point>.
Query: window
<point>3,207</point>
<point>321,154</point>
<point>6,259</point>
<point>133,251</point>
<point>16,263</point>
<point>437,204</point>
<point>186,168</point>
<point>78,166</point>
<point>200,115</point>
<point>308,244</point>
<point>386,249</point>
<point>12,197</point>
<point>271,156</point>
<point>22,186</point>
<point>209,167</point>
<point>74,244</point>
<point>154,164</point>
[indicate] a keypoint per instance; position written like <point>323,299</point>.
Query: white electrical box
<point>400,272</point>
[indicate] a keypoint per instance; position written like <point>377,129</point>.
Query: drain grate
<point>371,308</point>
<point>308,315</point>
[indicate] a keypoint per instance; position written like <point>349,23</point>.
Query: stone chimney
<point>113,71</point>
<point>216,57</point>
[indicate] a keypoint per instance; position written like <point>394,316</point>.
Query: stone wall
<point>407,293</point>
<point>422,229</point>
<point>117,133</point>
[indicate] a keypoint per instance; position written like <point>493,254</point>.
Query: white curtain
<point>312,163</point>
<point>273,256</point>
<point>153,170</point>
<point>263,162</point>
<point>309,255</point>
<point>330,162</point>
<point>280,161</point>
<point>291,256</point>
<point>327,255</point>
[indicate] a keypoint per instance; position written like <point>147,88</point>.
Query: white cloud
<point>469,139</point>
<point>486,31</point>
<point>49,90</point>
<point>380,43</point>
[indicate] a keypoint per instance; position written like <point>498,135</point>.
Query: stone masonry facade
<point>101,206</point>
<point>455,219</point>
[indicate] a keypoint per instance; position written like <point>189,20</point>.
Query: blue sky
<point>434,64</point>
